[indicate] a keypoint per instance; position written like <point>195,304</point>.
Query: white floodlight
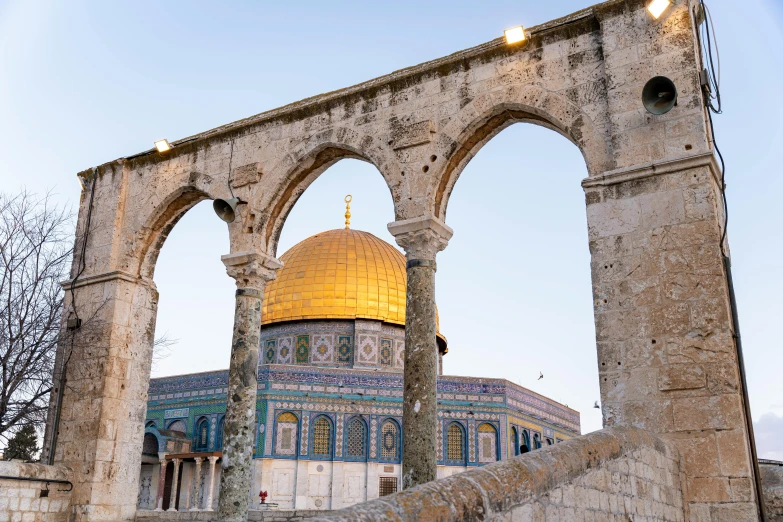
<point>515,35</point>
<point>163,145</point>
<point>657,7</point>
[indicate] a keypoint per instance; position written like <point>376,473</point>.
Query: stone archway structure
<point>666,354</point>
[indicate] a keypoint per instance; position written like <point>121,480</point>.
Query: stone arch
<point>313,157</point>
<point>490,113</point>
<point>160,222</point>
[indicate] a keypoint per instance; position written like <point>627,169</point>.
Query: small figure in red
<point>263,496</point>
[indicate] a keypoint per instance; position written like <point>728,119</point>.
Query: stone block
<point>699,413</point>
<point>681,377</point>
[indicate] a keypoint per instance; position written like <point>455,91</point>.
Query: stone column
<point>422,238</point>
<point>197,484</point>
<point>251,272</point>
<point>174,483</point>
<point>161,483</point>
<point>667,358</point>
<point>211,483</point>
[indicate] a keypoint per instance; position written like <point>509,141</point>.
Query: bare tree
<point>35,253</point>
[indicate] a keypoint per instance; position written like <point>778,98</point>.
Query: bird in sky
<point>541,375</point>
<point>596,405</point>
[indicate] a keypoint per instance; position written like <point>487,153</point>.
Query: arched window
<point>515,440</point>
<point>537,441</point>
<point>525,446</point>
<point>455,443</point>
<point>150,424</point>
<point>179,426</point>
<point>390,440</point>
<point>286,434</point>
<point>202,435</point>
<point>219,435</point>
<point>487,443</point>
<point>322,437</point>
<point>150,446</point>
<point>357,436</point>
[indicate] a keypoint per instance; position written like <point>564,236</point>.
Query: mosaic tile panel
<point>323,349</point>
<point>338,449</point>
<point>440,439</point>
<point>373,437</point>
<point>367,350</point>
<point>305,428</point>
<point>472,441</point>
<point>270,351</point>
<point>399,354</point>
<point>386,353</point>
<point>302,349</point>
<point>268,440</point>
<point>344,349</point>
<point>285,350</point>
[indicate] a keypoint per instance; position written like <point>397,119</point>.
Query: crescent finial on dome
<point>348,200</point>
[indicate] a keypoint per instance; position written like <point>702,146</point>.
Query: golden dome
<point>339,274</point>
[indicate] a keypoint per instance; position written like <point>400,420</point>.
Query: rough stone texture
<point>772,487</point>
<point>653,217</point>
<point>21,500</point>
<point>422,239</point>
<point>618,474</point>
<point>667,359</point>
<point>251,273</point>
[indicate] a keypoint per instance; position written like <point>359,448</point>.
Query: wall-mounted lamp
<point>163,145</point>
<point>657,7</point>
<point>515,35</point>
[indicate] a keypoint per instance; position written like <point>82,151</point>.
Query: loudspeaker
<point>659,95</point>
<point>226,209</point>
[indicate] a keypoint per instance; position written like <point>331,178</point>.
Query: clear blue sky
<point>82,83</point>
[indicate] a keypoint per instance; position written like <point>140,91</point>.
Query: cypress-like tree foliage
<point>23,445</point>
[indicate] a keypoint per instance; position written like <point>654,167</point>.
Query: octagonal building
<point>329,408</point>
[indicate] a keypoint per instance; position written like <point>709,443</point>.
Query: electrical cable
<point>711,91</point>
<point>63,371</point>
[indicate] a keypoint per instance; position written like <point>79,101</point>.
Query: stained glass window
<point>202,435</point>
<point>356,438</point>
<point>455,440</point>
<point>322,434</point>
<point>389,440</point>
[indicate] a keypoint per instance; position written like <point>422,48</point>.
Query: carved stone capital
<point>251,270</point>
<point>422,237</point>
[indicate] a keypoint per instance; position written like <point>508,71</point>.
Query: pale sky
<point>85,82</point>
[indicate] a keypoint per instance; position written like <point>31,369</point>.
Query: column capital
<point>213,459</point>
<point>251,270</point>
<point>421,237</point>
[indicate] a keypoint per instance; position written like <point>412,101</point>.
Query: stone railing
<point>621,471</point>
<point>32,500</point>
<point>772,488</point>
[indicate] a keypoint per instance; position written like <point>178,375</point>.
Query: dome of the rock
<point>339,274</point>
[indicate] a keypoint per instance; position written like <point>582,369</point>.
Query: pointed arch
<point>490,113</point>
<point>311,158</point>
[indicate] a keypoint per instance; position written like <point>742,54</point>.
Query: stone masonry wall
<point>772,487</point>
<point>21,501</point>
<point>621,473</point>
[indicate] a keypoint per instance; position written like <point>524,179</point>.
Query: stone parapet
<point>22,499</point>
<point>272,515</point>
<point>621,471</point>
<point>772,487</point>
